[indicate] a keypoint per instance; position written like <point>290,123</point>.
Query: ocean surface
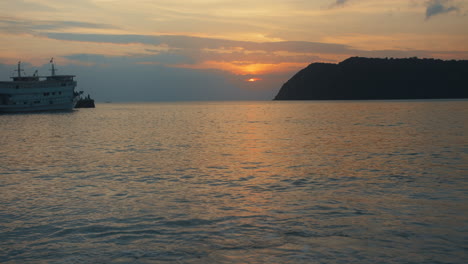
<point>237,182</point>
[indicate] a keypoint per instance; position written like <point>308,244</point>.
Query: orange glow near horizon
<point>254,79</point>
<point>245,68</point>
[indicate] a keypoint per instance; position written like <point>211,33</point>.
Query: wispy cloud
<point>437,7</point>
<point>15,25</point>
<point>239,57</point>
<point>182,42</point>
<point>339,3</point>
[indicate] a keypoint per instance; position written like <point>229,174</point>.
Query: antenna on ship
<point>19,70</point>
<point>53,67</point>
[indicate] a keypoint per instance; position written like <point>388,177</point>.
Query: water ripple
<point>237,182</point>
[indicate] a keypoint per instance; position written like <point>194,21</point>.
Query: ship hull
<point>36,108</point>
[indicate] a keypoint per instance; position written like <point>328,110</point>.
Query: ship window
<point>37,102</point>
<point>53,93</point>
<point>51,102</point>
<point>63,84</point>
<point>25,102</point>
<point>17,86</point>
<point>60,92</point>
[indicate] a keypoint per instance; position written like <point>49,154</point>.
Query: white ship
<point>37,93</point>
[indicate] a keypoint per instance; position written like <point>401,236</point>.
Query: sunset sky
<point>163,50</point>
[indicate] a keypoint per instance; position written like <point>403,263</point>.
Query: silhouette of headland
<point>360,78</point>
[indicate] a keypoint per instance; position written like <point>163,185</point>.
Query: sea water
<point>237,182</point>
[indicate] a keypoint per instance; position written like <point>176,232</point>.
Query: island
<point>359,78</point>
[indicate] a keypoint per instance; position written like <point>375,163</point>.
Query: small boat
<point>85,102</point>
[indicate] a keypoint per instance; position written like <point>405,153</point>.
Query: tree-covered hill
<point>360,78</point>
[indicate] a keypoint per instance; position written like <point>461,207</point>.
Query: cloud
<point>13,25</point>
<point>105,38</point>
<point>338,3</point>
<point>199,43</point>
<point>437,7</point>
<point>239,57</point>
<point>341,2</point>
<point>32,5</point>
<point>163,58</point>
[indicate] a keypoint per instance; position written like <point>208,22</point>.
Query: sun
<point>253,79</point>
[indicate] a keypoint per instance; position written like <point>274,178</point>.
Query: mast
<point>53,67</point>
<point>19,70</point>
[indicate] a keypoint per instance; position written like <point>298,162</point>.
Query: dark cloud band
<point>437,7</point>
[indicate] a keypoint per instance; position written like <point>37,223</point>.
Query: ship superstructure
<point>38,93</point>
